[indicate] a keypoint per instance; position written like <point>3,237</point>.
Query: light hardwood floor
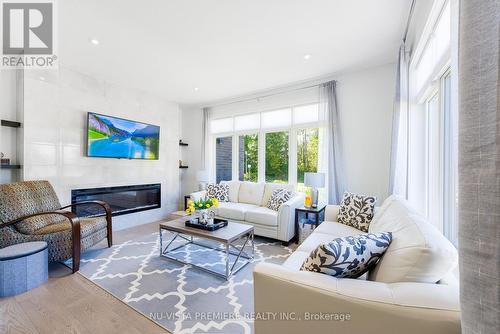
<point>69,303</point>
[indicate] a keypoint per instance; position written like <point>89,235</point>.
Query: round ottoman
<point>23,267</point>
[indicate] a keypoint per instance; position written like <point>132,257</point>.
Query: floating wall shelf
<point>10,166</point>
<point>182,144</point>
<point>11,124</point>
<point>183,167</point>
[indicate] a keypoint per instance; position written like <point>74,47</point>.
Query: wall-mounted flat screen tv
<point>113,137</point>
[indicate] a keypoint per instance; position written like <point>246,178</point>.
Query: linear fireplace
<point>123,199</point>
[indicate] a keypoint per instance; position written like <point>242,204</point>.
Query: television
<point>113,137</point>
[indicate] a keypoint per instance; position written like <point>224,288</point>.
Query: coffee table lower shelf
<point>230,247</point>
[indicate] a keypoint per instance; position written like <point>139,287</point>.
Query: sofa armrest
<point>364,306</point>
<point>332,213</point>
<point>198,195</point>
<point>286,217</point>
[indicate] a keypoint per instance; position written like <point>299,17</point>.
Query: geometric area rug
<point>178,297</point>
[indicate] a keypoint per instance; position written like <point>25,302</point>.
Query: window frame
<point>292,142</point>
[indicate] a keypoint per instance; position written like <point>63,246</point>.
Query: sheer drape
<point>479,166</point>
<point>398,179</point>
<point>336,173</point>
<point>204,138</point>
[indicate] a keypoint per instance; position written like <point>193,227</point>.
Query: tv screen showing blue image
<point>113,137</point>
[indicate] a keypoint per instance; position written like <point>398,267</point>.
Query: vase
<point>206,216</point>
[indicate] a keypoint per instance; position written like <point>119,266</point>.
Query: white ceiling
<point>226,48</point>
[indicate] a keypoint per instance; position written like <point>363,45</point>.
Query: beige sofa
<point>248,204</point>
<point>401,295</point>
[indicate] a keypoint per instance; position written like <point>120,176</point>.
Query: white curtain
<point>336,177</point>
<point>398,180</point>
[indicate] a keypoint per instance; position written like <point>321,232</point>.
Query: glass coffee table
<point>235,240</point>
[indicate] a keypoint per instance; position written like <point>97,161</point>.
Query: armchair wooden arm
<point>75,232</point>
<point>107,209</point>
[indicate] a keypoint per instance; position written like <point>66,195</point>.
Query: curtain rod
<point>408,22</point>
<point>257,97</point>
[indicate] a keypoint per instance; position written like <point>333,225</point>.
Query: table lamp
<point>315,181</point>
<point>202,178</point>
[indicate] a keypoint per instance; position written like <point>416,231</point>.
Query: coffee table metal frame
<point>229,248</point>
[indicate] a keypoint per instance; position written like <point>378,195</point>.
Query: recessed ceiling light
<point>307,56</point>
<point>94,41</point>
<point>196,89</point>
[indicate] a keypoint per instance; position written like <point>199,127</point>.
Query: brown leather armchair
<point>30,211</point>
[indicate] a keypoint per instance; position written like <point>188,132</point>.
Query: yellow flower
<point>200,205</point>
<point>215,202</point>
<point>190,202</point>
<point>188,210</point>
<point>207,206</point>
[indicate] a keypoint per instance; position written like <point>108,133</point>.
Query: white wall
<point>54,133</point>
<point>365,101</point>
<point>9,137</point>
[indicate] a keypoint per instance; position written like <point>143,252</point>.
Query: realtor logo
<point>28,34</point>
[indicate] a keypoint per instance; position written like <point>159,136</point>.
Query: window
<point>247,122</point>
<point>270,146</point>
<point>306,114</point>
<point>434,53</point>
<point>276,119</point>
<point>248,157</point>
<point>307,154</point>
<point>433,123</point>
<point>221,125</point>
<point>277,157</point>
<point>223,158</point>
<point>433,166</point>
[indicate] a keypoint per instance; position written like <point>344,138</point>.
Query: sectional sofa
<point>411,290</point>
<point>248,204</point>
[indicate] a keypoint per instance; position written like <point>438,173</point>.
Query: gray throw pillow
<point>278,197</point>
<point>357,211</point>
<point>219,191</point>
<point>348,257</point>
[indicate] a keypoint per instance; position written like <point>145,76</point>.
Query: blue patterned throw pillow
<point>348,257</point>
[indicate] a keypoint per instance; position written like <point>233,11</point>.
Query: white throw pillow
<point>251,193</point>
<point>234,188</point>
<point>418,251</point>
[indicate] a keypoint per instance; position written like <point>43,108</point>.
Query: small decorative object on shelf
<point>181,165</point>
<point>201,210</point>
<point>3,160</point>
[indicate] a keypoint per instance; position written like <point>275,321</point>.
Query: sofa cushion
<point>348,257</point>
<point>219,191</point>
<point>357,211</point>
<point>234,211</point>
<point>251,193</point>
<point>418,252</point>
<point>262,216</point>
<point>270,187</point>
<point>234,188</point>
<point>278,197</point>
<point>336,230</point>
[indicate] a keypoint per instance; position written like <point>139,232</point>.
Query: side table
<point>307,218</point>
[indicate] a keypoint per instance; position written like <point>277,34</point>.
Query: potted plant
<point>202,210</point>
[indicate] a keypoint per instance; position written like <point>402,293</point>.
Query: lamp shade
<point>314,180</point>
<point>202,176</point>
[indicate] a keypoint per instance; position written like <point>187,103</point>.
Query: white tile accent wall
<point>55,115</point>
